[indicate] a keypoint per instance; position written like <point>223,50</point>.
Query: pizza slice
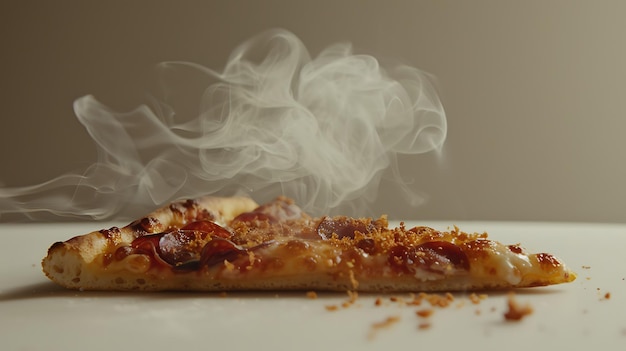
<point>223,244</point>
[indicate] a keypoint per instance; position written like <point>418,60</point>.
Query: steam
<point>323,130</point>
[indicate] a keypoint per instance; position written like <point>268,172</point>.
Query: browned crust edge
<point>74,263</point>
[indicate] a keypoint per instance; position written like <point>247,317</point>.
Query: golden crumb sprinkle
<point>475,299</point>
<point>331,307</point>
<point>424,325</point>
<point>515,311</point>
<point>439,300</point>
<point>311,295</point>
<point>388,322</point>
<point>378,301</point>
<point>424,313</point>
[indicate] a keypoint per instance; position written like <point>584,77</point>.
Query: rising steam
<point>322,130</point>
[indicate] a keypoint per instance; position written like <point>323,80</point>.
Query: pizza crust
<point>77,263</point>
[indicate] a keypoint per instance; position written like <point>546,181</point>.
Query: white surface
<point>35,314</point>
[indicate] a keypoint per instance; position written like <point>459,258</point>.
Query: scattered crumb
<point>388,322</point>
<point>477,298</point>
<point>516,312</point>
<point>352,297</point>
<point>439,300</point>
<point>607,296</point>
<point>353,281</point>
<point>331,307</point>
<point>586,267</point>
<point>311,295</point>
<point>424,325</point>
<point>399,300</point>
<point>378,301</point>
<point>427,312</point>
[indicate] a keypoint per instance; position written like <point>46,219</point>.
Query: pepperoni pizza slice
<point>225,244</point>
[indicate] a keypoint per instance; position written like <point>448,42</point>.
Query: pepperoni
<point>253,216</point>
<point>146,244</point>
<point>219,250</point>
<point>281,209</point>
<point>208,227</point>
<point>434,256</point>
<point>446,250</point>
<point>185,248</point>
<point>367,245</point>
<point>179,247</point>
<point>342,227</point>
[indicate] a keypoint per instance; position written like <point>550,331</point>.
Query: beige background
<point>534,90</point>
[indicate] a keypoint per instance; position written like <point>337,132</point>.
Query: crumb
<point>477,312</point>
<point>353,281</point>
<point>388,322</point>
<point>378,301</point>
<point>425,312</point>
<point>607,296</point>
<point>311,295</point>
<point>586,267</point>
<point>415,300</point>
<point>516,312</point>
<point>424,325</point>
<point>439,300</point>
<point>477,298</point>
<point>331,307</point>
<point>229,266</point>
<point>352,297</point>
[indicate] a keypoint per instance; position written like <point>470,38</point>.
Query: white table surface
<point>35,314</point>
